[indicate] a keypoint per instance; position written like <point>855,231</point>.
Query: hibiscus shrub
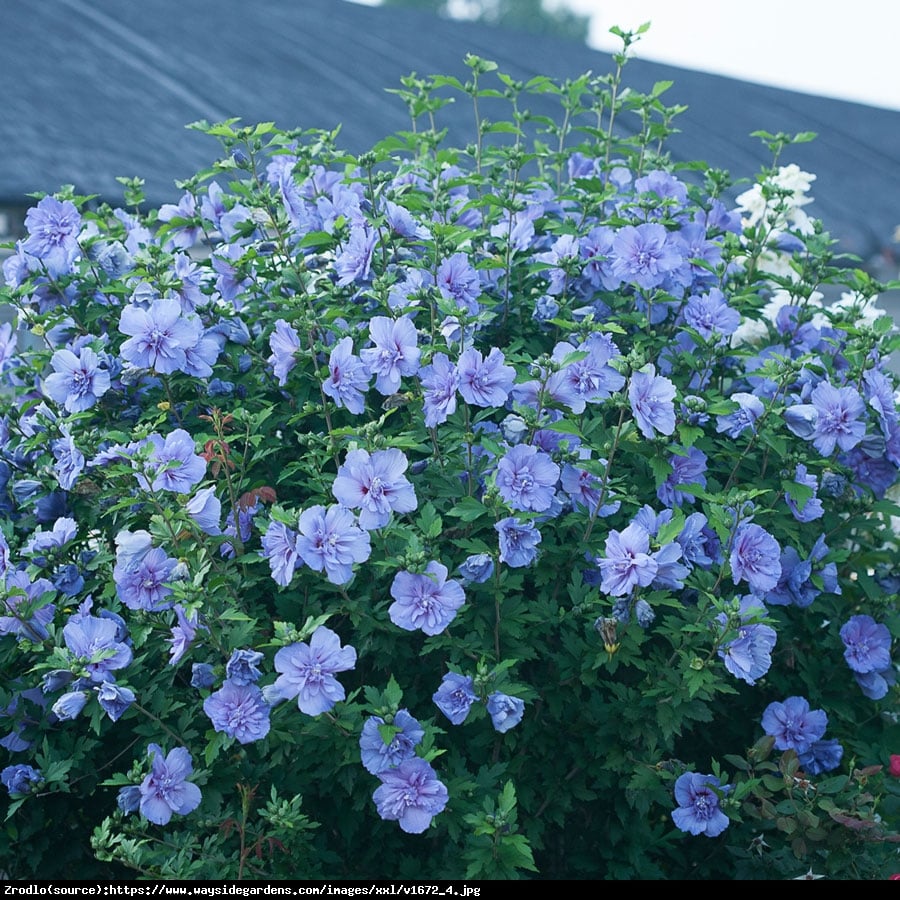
<point>521,510</point>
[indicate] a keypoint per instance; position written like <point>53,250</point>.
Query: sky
<point>830,47</point>
<point>835,48</point>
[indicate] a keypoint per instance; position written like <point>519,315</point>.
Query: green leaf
<point>468,509</point>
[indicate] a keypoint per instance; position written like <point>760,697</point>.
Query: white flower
<point>864,308</point>
<point>792,178</point>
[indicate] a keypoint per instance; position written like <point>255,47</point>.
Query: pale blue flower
<point>166,789</point>
<point>506,712</point>
<point>348,377</point>
<point>427,601</point>
<point>332,540</point>
<point>410,794</point>
<point>307,672</point>
<point>114,699</point>
<point>384,746</point>
<point>77,382</point>
<point>284,343</point>
<point>395,353</point>
<point>698,810</point>
<point>755,558</point>
<point>526,478</point>
<point>375,485</point>
<point>652,402</point>
<point>867,643</point>
<point>628,562</point>
<point>239,710</point>
<point>793,724</point>
<point>455,696</point>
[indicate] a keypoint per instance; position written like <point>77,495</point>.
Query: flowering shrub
<point>450,512</point>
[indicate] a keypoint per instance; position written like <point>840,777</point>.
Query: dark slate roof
<point>93,89</point>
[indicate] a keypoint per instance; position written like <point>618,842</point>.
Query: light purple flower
<point>689,468</point>
<point>526,478</point>
<point>644,255</point>
<point>182,634</point>
<point>307,672</point>
<point>383,746</point>
<point>875,685</point>
<point>587,380</point>
<point>77,382</point>
<point>395,352</point>
<point>131,547</point>
<point>795,583</point>
<point>710,315</point>
<point>585,488</point>
<point>440,382</point>
<point>348,378</point>
<point>213,208</point>
<point>70,705</point>
<point>206,510</point>
<point>801,420</point>
<point>241,667</point>
<point>201,356</point>
<point>279,545</point>
<point>332,540</point>
<point>184,232</point>
<point>822,756</point>
<point>8,342</point>
<point>793,724</point>
<point>411,794</point>
<point>176,467</point>
<point>809,508</point>
<point>63,531</point>
<point>375,485</point>
<point>166,789</point>
<point>749,655</point>
<point>518,542</point>
<point>114,699</point>
<point>750,408</point>
<point>202,676</point>
<point>698,810</point>
<point>506,712</point>
<point>880,395</point>
<point>20,779</point>
<point>457,280</point>
<point>159,336</point>
<point>652,402</point>
<point>143,585</point>
<point>755,558</point>
<point>455,696</point>
<point>53,226</point>
<point>838,411</point>
<point>401,222</point>
<point>284,342</point>
<point>628,563</point>
<point>425,601</point>
<point>562,255</point>
<point>867,643</point>
<point>485,382</point>
<point>354,259</point>
<point>69,460</point>
<point>239,710</point>
<point>95,641</point>
<point>669,569</point>
<point>476,568</point>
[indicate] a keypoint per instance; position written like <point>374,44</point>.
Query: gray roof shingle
<point>94,89</point>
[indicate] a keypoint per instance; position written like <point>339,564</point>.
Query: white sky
<point>830,47</point>
<point>836,48</point>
